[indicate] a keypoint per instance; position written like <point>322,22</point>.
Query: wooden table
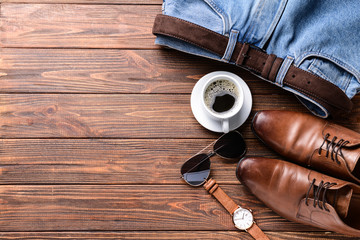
<point>96,122</point>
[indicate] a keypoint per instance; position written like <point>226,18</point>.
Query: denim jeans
<point>321,37</point>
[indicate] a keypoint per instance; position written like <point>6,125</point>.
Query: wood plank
<point>178,235</point>
<point>128,116</point>
<point>143,2</point>
<point>121,116</point>
<point>115,116</point>
<point>77,26</point>
<point>111,71</point>
<point>128,208</point>
<point>109,161</point>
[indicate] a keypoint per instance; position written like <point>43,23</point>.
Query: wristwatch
<point>242,217</point>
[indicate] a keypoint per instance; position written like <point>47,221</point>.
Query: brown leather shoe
<point>303,195</point>
<point>311,141</point>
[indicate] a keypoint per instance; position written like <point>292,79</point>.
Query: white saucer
<point>199,111</point>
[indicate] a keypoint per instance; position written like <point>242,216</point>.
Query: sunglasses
<point>196,170</point>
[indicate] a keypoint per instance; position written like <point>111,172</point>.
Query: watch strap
<point>213,188</point>
<point>256,232</point>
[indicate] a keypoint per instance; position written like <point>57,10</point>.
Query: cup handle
<point>225,125</point>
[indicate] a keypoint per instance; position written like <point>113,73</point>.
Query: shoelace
<point>317,194</point>
<point>336,147</point>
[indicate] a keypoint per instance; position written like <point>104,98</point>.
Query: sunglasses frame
<point>210,154</point>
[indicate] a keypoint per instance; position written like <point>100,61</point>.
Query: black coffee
<point>220,96</point>
<point>223,103</point>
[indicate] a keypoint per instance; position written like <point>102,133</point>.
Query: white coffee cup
<point>222,98</point>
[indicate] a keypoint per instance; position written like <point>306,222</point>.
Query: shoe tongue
<point>340,200</point>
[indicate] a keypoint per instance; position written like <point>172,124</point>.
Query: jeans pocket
<point>201,12</point>
<point>328,69</point>
<point>220,12</point>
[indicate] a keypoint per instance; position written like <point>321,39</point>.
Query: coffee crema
<point>221,95</point>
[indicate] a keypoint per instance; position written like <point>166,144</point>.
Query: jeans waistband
<point>269,67</point>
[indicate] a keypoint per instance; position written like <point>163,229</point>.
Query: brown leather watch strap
<point>257,233</point>
<point>267,66</point>
<point>213,188</point>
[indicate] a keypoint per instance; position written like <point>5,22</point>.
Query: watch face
<point>243,218</point>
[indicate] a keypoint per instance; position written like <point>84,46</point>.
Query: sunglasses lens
<point>196,170</point>
<point>231,145</point>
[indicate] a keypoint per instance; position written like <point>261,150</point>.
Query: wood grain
<point>110,161</point>
<point>111,71</point>
<point>176,235</point>
<point>115,116</point>
<point>119,116</point>
<point>77,26</point>
<point>128,208</point>
<point>125,116</point>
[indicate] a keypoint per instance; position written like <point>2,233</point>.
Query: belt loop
<point>230,46</point>
<point>242,54</point>
<point>283,70</point>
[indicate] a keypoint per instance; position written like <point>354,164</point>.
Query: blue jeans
<point>321,37</point>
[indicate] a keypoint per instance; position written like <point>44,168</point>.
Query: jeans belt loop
<point>230,46</point>
<point>279,81</point>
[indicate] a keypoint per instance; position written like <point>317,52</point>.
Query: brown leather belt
<point>267,66</point>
